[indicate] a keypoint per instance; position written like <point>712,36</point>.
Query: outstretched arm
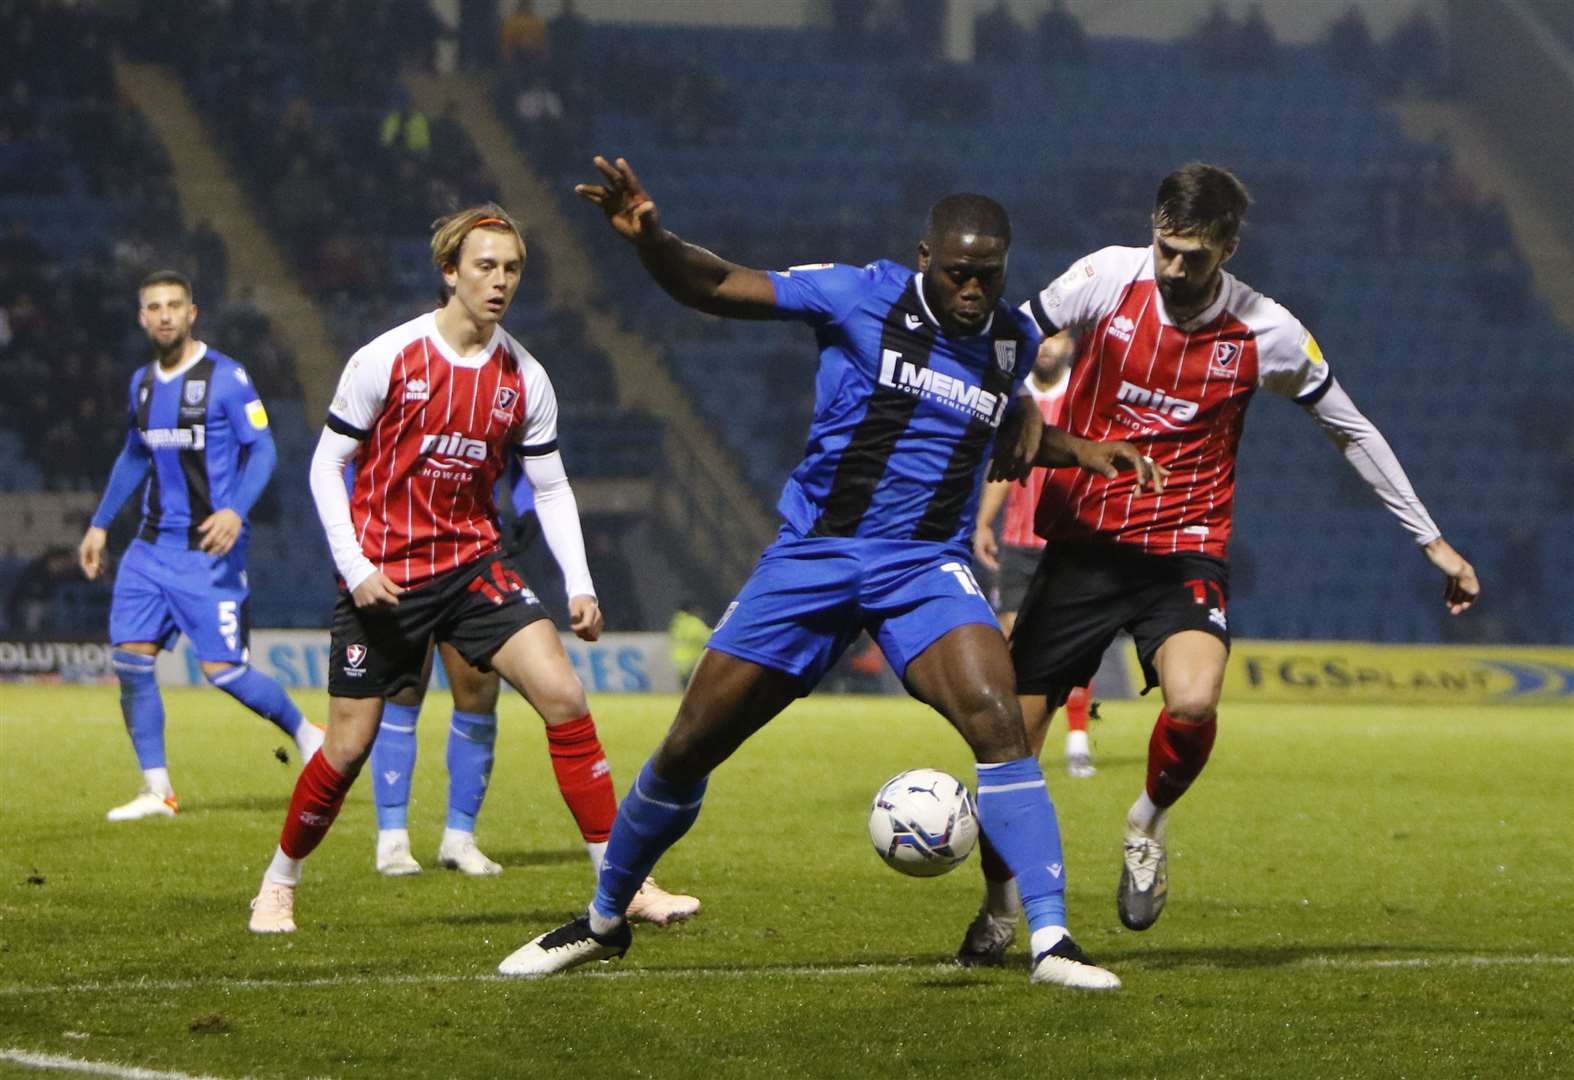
<point>1370,455</point>
<point>690,274</point>
<point>1060,449</point>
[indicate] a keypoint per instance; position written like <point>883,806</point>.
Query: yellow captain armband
<point>1313,350</point>
<point>257,415</point>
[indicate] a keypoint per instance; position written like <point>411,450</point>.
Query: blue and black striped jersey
<point>196,424</point>
<point>904,415</point>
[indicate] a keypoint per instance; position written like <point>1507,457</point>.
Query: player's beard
<point>173,351</point>
<point>1182,296</point>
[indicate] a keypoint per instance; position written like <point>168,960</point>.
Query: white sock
<point>1076,742</point>
<point>309,739</point>
<point>603,924</point>
<point>283,870</point>
<point>1001,898</point>
<point>387,838</point>
<point>598,855</point>
<point>1045,938</point>
<point>157,781</point>
<point>1146,817</point>
<point>456,836</point>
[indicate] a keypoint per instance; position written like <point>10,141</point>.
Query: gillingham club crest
<point>1006,355</point>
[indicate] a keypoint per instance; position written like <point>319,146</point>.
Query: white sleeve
<point>539,431</point>
<point>362,391</point>
<point>559,516</point>
<point>1289,360</point>
<point>1091,289</point>
<point>1370,455</point>
<point>333,451</point>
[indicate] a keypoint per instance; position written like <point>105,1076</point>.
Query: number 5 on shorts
<point>229,622</point>
<point>964,577</point>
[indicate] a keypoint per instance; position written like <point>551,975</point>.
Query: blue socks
<point>141,706</point>
<point>1019,820</point>
<point>653,816</point>
<point>472,738</point>
<point>261,694</point>
<point>392,762</point>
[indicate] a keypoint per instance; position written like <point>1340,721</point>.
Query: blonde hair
<point>448,235</point>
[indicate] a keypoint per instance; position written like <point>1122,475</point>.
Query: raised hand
<point>623,200</point>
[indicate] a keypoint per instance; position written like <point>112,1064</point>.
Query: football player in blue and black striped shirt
<point>918,370</point>
<point>198,434</point>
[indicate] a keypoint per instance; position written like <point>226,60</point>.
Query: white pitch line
<point>94,1068</point>
<point>807,972</point>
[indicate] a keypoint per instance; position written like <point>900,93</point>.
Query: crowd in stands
<point>68,333</point>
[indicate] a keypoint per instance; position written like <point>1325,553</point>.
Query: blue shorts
<point>162,591</point>
<point>808,599</point>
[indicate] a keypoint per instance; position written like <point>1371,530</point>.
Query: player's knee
<point>992,725</point>
<point>215,673</point>
<point>479,696</point>
<point>1192,706</point>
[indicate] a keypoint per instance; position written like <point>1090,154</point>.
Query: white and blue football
<point>923,822</point>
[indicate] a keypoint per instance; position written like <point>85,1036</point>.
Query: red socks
<point>319,793</point>
<point>583,776</point>
<point>1176,754</point>
<point>1077,708</point>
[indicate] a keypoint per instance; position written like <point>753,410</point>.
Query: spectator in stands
<point>996,34</point>
<point>686,637</point>
<point>1414,56</point>
<point>211,259</point>
<point>478,33</point>
<point>850,26</point>
<point>1254,40</point>
<point>404,129</point>
<point>566,42</point>
<point>523,36</point>
<point>1349,45</point>
<point>1059,35</point>
<point>31,609</point>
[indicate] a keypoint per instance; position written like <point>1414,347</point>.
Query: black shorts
<point>1082,595</point>
<point>1017,565</point>
<point>377,652</point>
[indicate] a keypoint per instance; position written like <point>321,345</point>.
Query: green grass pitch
<point>1376,892</point>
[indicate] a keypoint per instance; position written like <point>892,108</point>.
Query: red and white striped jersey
<point>436,430</point>
<point>1179,392</point>
<point>1022,499</point>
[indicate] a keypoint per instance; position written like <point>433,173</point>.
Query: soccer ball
<point>923,822</point>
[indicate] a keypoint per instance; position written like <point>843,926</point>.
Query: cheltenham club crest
<point>355,654</point>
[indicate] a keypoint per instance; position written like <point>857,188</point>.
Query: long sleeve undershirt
<point>1370,455</point>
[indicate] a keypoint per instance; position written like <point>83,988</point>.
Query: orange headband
<point>491,221</point>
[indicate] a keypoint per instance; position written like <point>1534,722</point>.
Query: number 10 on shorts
<point>964,577</point>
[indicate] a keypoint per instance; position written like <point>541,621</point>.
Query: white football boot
<point>393,854</point>
<point>1063,964</point>
<point>147,804</point>
<point>655,905</point>
<point>273,911</point>
<point>458,852</point>
<point>569,946</point>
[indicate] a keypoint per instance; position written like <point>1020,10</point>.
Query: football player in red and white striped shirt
<point>1171,349</point>
<point>431,412</point>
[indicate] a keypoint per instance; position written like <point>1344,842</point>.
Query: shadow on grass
<point>556,857</point>
<point>241,803</point>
